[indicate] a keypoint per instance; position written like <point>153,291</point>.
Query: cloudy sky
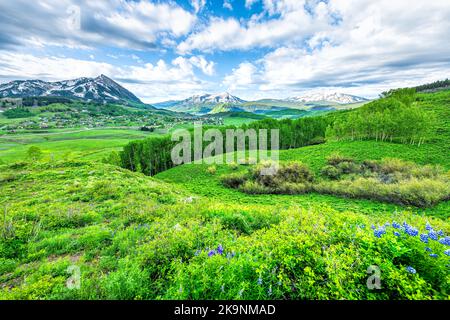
<point>163,50</point>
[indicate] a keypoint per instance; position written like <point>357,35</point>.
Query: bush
<point>234,180</point>
<point>212,170</point>
<point>330,172</point>
<point>253,187</point>
<point>348,167</point>
<point>292,172</point>
<point>292,188</point>
<point>34,153</point>
<point>336,158</point>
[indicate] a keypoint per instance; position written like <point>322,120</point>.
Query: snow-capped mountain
<point>224,97</point>
<point>340,98</point>
<point>201,104</point>
<point>102,89</point>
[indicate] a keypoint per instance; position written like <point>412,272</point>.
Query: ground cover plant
<point>131,236</point>
<point>390,180</point>
<point>135,237</point>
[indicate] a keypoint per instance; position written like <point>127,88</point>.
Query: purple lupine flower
<point>396,225</point>
<point>424,238</point>
<point>440,233</point>
<point>411,270</point>
<point>373,227</point>
<point>447,252</point>
<point>428,249</point>
<point>379,232</point>
<point>433,255</point>
<point>396,234</point>
<point>220,249</point>
<point>211,253</point>
<point>433,235</point>
<point>411,231</point>
<point>428,227</point>
<point>445,241</point>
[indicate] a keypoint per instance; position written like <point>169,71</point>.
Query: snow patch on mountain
<point>340,98</point>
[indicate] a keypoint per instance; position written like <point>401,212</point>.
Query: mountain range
<point>104,89</point>
<point>225,102</point>
<point>100,89</point>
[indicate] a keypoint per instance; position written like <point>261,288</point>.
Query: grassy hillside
<point>183,235</point>
<point>206,184</point>
<point>129,236</point>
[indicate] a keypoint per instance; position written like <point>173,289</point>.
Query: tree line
<point>395,118</point>
<point>153,155</point>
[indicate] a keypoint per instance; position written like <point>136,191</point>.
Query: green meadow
<point>184,234</point>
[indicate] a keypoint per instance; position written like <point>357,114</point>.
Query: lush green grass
<point>136,237</point>
<point>206,184</point>
<point>182,234</point>
<point>67,143</point>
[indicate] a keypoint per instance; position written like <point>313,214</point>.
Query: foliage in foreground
<point>134,237</point>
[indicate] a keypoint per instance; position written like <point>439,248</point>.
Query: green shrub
<point>253,187</point>
<point>34,153</point>
<point>336,158</point>
<point>234,180</point>
<point>330,172</point>
<point>212,170</point>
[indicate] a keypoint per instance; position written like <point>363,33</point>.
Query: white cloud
<point>241,77</point>
<point>198,5</point>
<point>150,82</point>
<point>250,3</point>
<point>27,66</point>
<point>200,62</point>
<point>129,24</point>
<point>227,5</point>
<point>376,46</point>
<point>293,24</point>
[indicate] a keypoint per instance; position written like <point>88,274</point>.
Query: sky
<point>254,49</point>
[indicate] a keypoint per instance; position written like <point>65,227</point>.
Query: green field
<point>183,235</point>
<point>57,144</point>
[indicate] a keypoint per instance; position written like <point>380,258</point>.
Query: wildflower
<point>379,232</point>
<point>411,231</point>
<point>411,270</point>
<point>433,235</point>
<point>424,238</point>
<point>428,249</point>
<point>447,252</point>
<point>396,225</point>
<point>373,227</point>
<point>428,227</point>
<point>440,233</point>
<point>396,234</point>
<point>433,255</point>
<point>220,249</point>
<point>445,241</point>
<point>211,253</point>
<point>259,281</point>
